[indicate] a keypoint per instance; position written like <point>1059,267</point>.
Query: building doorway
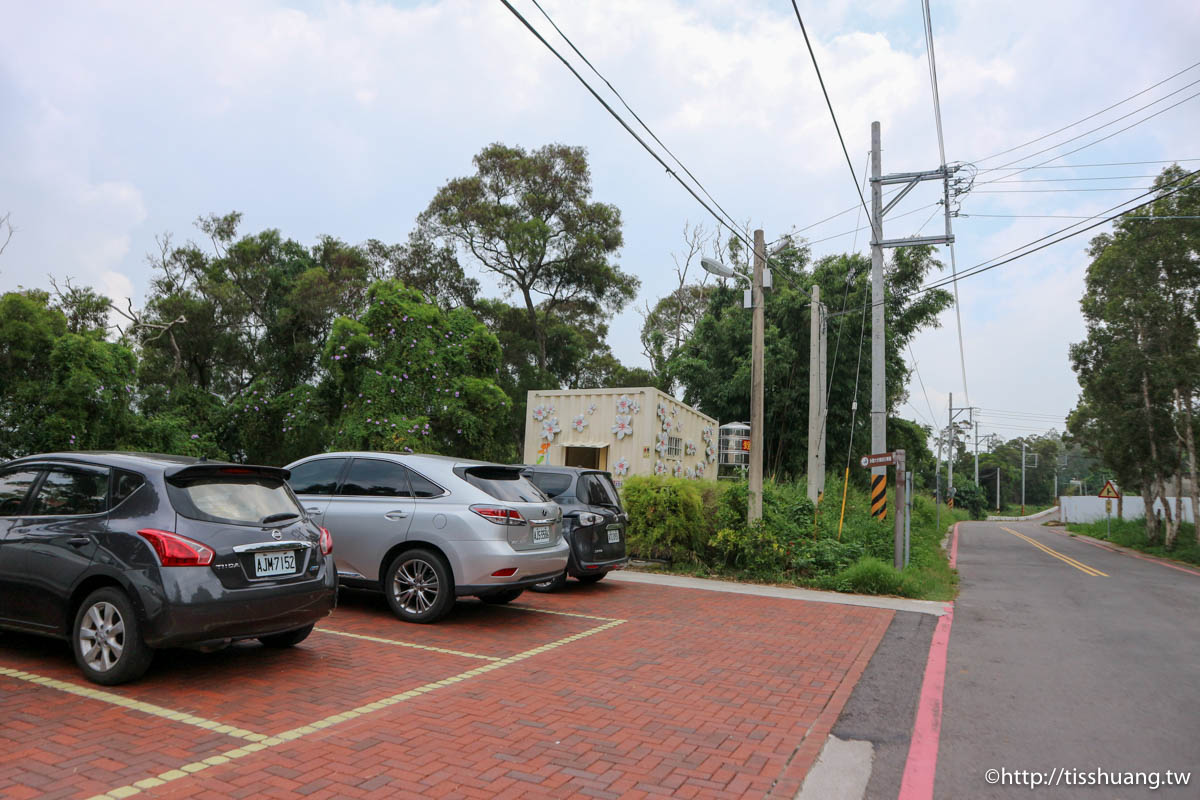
<point>586,457</point>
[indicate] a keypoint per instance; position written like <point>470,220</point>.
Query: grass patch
<point>1132,533</point>
<point>794,545</point>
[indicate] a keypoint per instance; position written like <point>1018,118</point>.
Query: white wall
<point>1091,509</point>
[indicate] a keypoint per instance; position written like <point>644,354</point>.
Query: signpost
<point>896,458</point>
<point>1109,493</point>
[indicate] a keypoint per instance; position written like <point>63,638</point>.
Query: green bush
<point>667,519</point>
<point>869,576</point>
<point>969,497</point>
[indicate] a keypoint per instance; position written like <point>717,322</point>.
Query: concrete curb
<point>934,607</point>
<point>1025,518</point>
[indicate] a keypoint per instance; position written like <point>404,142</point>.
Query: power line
<point>937,103</point>
<point>1062,216</point>
<point>631,111</point>
<point>1085,119</point>
<point>1089,144</point>
<point>829,105</point>
<point>1078,189</point>
<point>1088,166</point>
<point>735,231</point>
<point>1064,180</point>
<point>917,369</point>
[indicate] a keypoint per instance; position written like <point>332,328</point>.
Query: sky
<point>127,120</point>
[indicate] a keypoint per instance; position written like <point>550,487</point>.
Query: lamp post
<point>753,301</point>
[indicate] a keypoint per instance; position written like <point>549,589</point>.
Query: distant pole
<point>950,451</point>
<point>816,398</point>
<point>898,535</point>
<point>878,388</point>
<point>997,487</point>
<point>1022,479</point>
<point>754,506</point>
<point>937,492</point>
<point>976,447</point>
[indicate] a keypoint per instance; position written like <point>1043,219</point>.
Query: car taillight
<point>499,515</point>
<point>507,572</point>
<point>326,542</point>
<point>177,551</point>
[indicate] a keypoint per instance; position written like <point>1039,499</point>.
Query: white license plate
<point>614,535</point>
<point>281,563</point>
<point>541,534</point>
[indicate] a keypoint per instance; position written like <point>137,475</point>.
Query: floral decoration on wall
<point>549,428</point>
<point>661,442</point>
<point>622,427</point>
<point>700,470</point>
<point>690,448</point>
<point>579,423</point>
<point>677,470</point>
<point>591,409</point>
<point>621,468</point>
<point>691,473</point>
<point>636,405</point>
<point>542,412</point>
<point>624,405</point>
<point>668,425</point>
<point>662,411</point>
<point>711,452</point>
<point>660,468</point>
<point>707,433</point>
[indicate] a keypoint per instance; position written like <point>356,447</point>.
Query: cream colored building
<point>624,431</point>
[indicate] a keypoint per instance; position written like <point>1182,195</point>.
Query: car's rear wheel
<point>107,639</point>
<point>288,638</point>
<point>552,585</point>
<point>592,577</point>
<point>500,598</point>
<point>418,586</point>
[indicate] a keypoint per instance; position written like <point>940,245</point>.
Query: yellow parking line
<point>562,613</point>
<point>336,719</point>
<point>1079,565</point>
<point>134,705</point>
<point>414,645</point>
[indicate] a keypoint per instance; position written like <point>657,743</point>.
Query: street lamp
<point>754,506</point>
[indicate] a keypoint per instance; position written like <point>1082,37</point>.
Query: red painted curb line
<point>920,769</point>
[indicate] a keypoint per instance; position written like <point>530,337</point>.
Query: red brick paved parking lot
<point>610,690</point>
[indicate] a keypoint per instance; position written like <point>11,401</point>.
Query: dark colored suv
<point>121,553</point>
<point>594,523</point>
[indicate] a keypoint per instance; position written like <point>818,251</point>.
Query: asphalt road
<point>1054,667</point>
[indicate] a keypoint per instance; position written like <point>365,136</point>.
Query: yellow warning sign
<point>1109,491</point>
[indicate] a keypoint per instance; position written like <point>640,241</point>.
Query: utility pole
<point>997,487</point>
<point>1022,478</point>
<point>754,506</point>
<point>816,398</point>
<point>878,379</point>
<point>878,243</point>
<point>976,446</point>
<point>950,453</point>
<point>937,481</point>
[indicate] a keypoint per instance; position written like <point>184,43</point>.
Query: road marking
<point>561,613</point>
<point>920,769</point>
<point>1112,548</point>
<point>414,645</point>
<point>336,719</point>
<point>1079,565</point>
<point>133,705</point>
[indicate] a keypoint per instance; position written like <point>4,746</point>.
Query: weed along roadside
<point>699,528</point>
<point>1132,533</point>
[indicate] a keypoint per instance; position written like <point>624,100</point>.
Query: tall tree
<point>528,219</point>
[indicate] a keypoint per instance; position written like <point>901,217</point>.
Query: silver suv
<point>427,529</point>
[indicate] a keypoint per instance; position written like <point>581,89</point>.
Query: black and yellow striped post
<point>879,496</point>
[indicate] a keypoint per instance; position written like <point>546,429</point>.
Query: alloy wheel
<point>102,636</point>
<point>416,586</point>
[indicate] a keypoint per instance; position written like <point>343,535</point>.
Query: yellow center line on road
<point>133,705</point>
<point>1079,565</point>
<point>414,645</point>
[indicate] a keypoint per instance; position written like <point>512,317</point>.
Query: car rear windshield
<point>600,491</point>
<point>552,483</point>
<point>239,499</point>
<point>503,483</point>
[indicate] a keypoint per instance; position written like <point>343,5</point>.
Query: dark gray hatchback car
<point>594,523</point>
<point>121,553</point>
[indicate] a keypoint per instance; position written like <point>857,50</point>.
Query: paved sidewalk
<point>619,689</point>
<point>937,608</point>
